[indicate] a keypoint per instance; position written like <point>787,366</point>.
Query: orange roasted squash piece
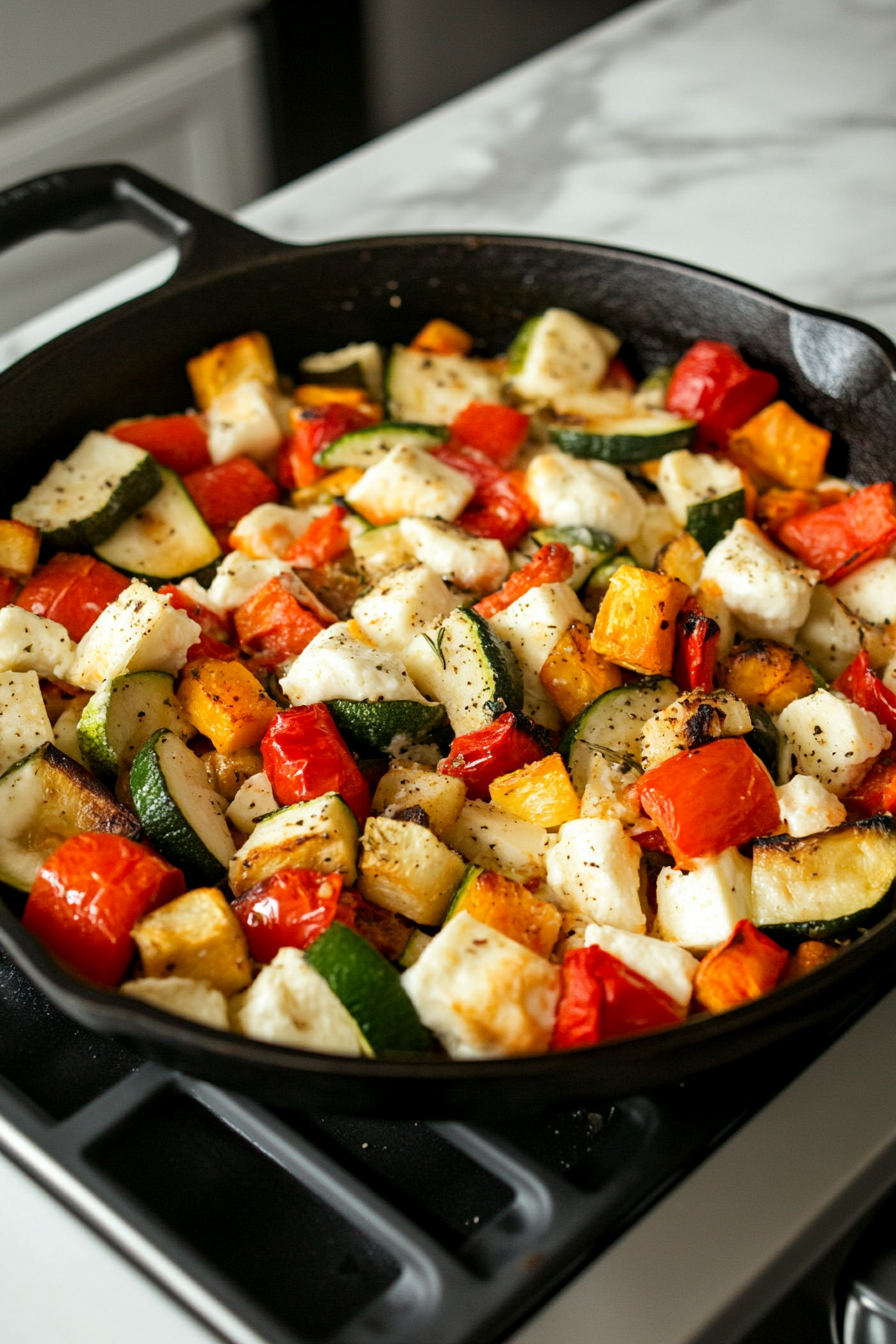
<point>440,337</point>
<point>225,702</point>
<point>746,966</point>
<point>511,909</point>
<point>780,444</point>
<point>245,357</point>
<point>635,624</point>
<point>574,675</point>
<point>541,792</point>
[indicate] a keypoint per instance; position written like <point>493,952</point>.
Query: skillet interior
<point>840,373</point>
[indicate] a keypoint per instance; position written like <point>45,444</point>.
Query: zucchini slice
<point>181,814</point>
<point>164,540</point>
<point>355,365</point>
<point>44,799</point>
<point>712,519</point>
<point>385,726</point>
<point>602,545</point>
<point>466,667</point>
<point>611,726</point>
<point>831,885</point>
<point>370,988</point>
<point>365,447</point>
<point>122,716</point>
<point>622,439</point>
<point>432,389</point>
<point>320,834</point>
<point>85,498</point>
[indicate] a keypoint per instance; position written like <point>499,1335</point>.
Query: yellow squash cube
<point>19,547</point>
<point>635,624</point>
<point>509,908</point>
<point>764,672</point>
<point>231,362</point>
<point>682,558</point>
<point>780,444</point>
<point>226,703</point>
<point>541,792</point>
<point>574,675</point>
<point>197,936</point>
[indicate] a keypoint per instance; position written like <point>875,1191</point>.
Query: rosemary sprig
<point>436,645</point>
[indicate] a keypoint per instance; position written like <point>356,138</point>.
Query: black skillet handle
<point>82,198</point>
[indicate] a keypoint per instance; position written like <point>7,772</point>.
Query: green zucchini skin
<point>763,740</point>
<point>712,519</point>
<point>464,887</point>
<point>383,725</point>
<point>139,549</point>
<point>507,677</point>
<point>602,544</point>
<point>623,445</point>
<point>370,988</point>
<point>611,725</point>
<point>365,447</point>
<point>163,820</point>
<point>112,731</point>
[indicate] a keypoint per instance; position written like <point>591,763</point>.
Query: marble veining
<point>755,137</point>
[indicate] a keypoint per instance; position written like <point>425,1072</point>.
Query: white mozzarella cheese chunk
<point>532,625</point>
<point>478,564</point>
<point>409,482</point>
<point>567,491</point>
<point>30,643</point>
<point>709,595</point>
<point>831,636</point>
<point>806,806</point>
<point>24,723</point>
<point>269,530</point>
<point>766,591</point>
<point>291,1004</point>
<point>870,592</point>
<point>336,666</point>
<point>594,870</point>
<point>670,967</point>
<point>565,354</point>
<point>689,721</point>
<point>254,799</point>
<point>430,389</point>
<point>657,529</point>
<point>243,422</point>
<point>138,632</point>
<point>691,478</point>
<point>699,909</point>
<point>484,995</point>
<point>238,578</point>
<point>193,589</point>
<point>401,604</point>
<point>485,835</point>
<point>196,1000</point>
<point>829,738</point>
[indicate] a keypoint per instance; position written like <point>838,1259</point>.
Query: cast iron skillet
<point>841,373</point>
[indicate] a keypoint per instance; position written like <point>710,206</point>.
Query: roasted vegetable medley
<point>483,706</point>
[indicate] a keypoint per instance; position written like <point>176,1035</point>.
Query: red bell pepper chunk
<point>500,507</point>
<point>696,648</point>
<point>7,590</point>
<point>877,791</point>
<point>225,492</point>
<point>73,590</point>
<point>305,757</point>
<point>274,623</point>
<point>747,965</point>
<point>213,642</point>
<point>313,429</point>
<point>601,998</point>
<point>89,894</point>
<point>843,537</point>
<point>385,930</point>
<point>859,684</point>
<point>553,563</point>
<point>710,799</point>
<point>175,441</point>
<point>712,384</point>
<point>480,757</point>
<point>618,376</point>
<point>288,909</point>
<point>322,541</point>
<point>498,431</point>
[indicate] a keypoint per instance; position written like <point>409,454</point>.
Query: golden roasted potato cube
<point>779,444</point>
<point>407,784</point>
<point>225,702</point>
<point>405,868</point>
<point>764,672</point>
<point>511,909</point>
<point>197,936</point>
<point>574,675</point>
<point>541,792</point>
<point>635,623</point>
<point>19,547</point>
<point>228,771</point>
<point>231,362</point>
<point>682,558</point>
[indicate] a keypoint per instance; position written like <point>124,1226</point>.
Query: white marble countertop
<point>755,137</point>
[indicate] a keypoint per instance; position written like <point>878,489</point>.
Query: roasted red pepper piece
<point>322,541</point>
<point>601,998</point>
<point>386,931</point>
<point>553,563</point>
<point>73,590</point>
<point>7,590</point>
<point>712,384</point>
<point>747,965</point>
<point>579,1011</point>
<point>223,493</point>
<point>314,429</point>
<point>696,648</point>
<point>877,791</point>
<point>288,909</point>
<point>176,441</point>
<point>480,757</point>
<point>273,623</point>
<point>498,431</point>
<point>843,537</point>
<point>305,757</point>
<point>859,684</point>
<point>500,507</point>
<point>88,896</point>
<point>214,640</point>
<point>710,799</point>
<point>618,376</point>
